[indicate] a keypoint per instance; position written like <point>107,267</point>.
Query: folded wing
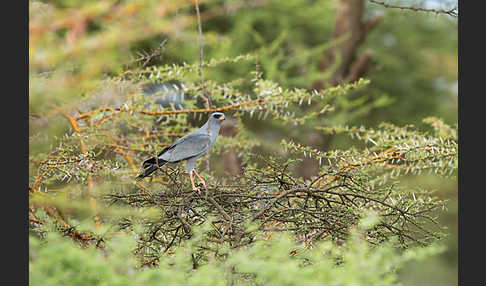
<point>186,147</point>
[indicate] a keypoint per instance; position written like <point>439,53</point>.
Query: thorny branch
<point>199,27</point>
<point>147,57</point>
<point>275,201</point>
<point>169,112</point>
<point>451,12</point>
<point>83,238</point>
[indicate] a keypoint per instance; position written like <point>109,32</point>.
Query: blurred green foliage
<point>275,261</point>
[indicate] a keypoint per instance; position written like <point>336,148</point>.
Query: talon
<point>201,180</point>
<point>197,190</point>
<point>200,186</point>
<point>203,184</point>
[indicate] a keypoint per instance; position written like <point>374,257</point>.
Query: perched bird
<point>188,148</point>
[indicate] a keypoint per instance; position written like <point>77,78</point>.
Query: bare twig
<point>451,12</point>
<point>277,203</point>
<point>199,26</point>
<point>147,57</point>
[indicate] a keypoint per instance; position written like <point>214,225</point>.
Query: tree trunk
<point>349,24</point>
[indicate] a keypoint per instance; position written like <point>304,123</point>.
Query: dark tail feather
<point>149,162</point>
<point>150,166</point>
<point>147,172</point>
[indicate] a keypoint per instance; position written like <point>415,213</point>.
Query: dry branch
<point>451,12</point>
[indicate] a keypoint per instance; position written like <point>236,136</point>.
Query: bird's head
<point>218,117</point>
<point>215,120</point>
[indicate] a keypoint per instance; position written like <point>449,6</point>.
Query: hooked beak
<point>222,117</point>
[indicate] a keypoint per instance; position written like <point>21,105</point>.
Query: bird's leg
<point>194,188</point>
<point>200,179</point>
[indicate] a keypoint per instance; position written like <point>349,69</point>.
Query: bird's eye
<point>217,116</point>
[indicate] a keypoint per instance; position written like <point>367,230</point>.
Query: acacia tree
<point>89,172</point>
<point>109,143</point>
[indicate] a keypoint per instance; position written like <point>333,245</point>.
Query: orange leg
<point>194,188</point>
<point>200,179</point>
